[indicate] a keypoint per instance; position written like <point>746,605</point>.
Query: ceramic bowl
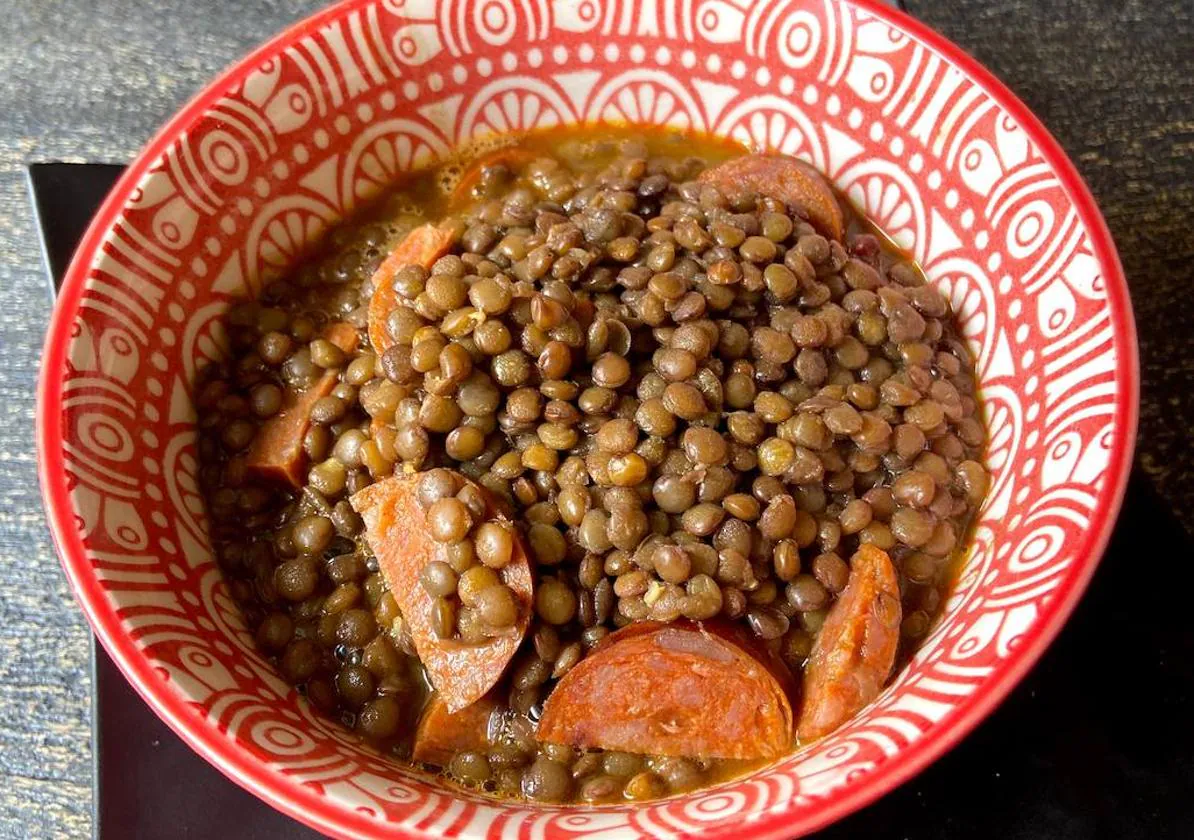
<point>244,179</point>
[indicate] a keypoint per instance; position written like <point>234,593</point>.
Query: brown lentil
<point>686,403</point>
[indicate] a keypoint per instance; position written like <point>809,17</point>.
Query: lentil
<point>685,403</point>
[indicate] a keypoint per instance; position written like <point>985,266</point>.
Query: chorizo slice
<point>511,156</point>
<point>396,530</point>
<point>442,733</point>
<point>787,179</point>
<point>855,650</point>
<point>696,690</point>
<point>422,246</point>
<point>276,452</point>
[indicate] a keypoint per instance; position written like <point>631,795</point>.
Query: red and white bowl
<point>248,175</point>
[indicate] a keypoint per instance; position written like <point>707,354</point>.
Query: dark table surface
<point>89,80</point>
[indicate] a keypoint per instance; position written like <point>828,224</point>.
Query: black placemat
<point>1096,742</point>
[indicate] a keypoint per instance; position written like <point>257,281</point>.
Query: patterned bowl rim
<point>311,808</point>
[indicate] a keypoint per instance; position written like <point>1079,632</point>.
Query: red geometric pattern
<point>242,183</point>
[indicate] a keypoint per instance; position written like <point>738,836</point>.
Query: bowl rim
<point>311,808</point>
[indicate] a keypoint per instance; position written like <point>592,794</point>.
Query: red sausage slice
<point>787,179</point>
<point>422,246</point>
<point>855,650</point>
<point>395,527</point>
<point>277,450</point>
<point>681,689</point>
<point>442,733</point>
<point>511,156</point>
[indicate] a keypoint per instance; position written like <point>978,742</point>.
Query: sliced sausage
<point>442,733</point>
<point>396,530</point>
<point>277,450</point>
<point>511,156</point>
<point>697,690</point>
<point>855,650</point>
<point>422,246</point>
<point>787,179</point>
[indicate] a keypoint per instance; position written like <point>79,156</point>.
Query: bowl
<point>245,178</point>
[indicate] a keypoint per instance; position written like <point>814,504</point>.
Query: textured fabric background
<point>89,80</point>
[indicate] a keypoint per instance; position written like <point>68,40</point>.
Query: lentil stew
<point>588,443</point>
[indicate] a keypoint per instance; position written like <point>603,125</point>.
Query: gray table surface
<point>89,80</point>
